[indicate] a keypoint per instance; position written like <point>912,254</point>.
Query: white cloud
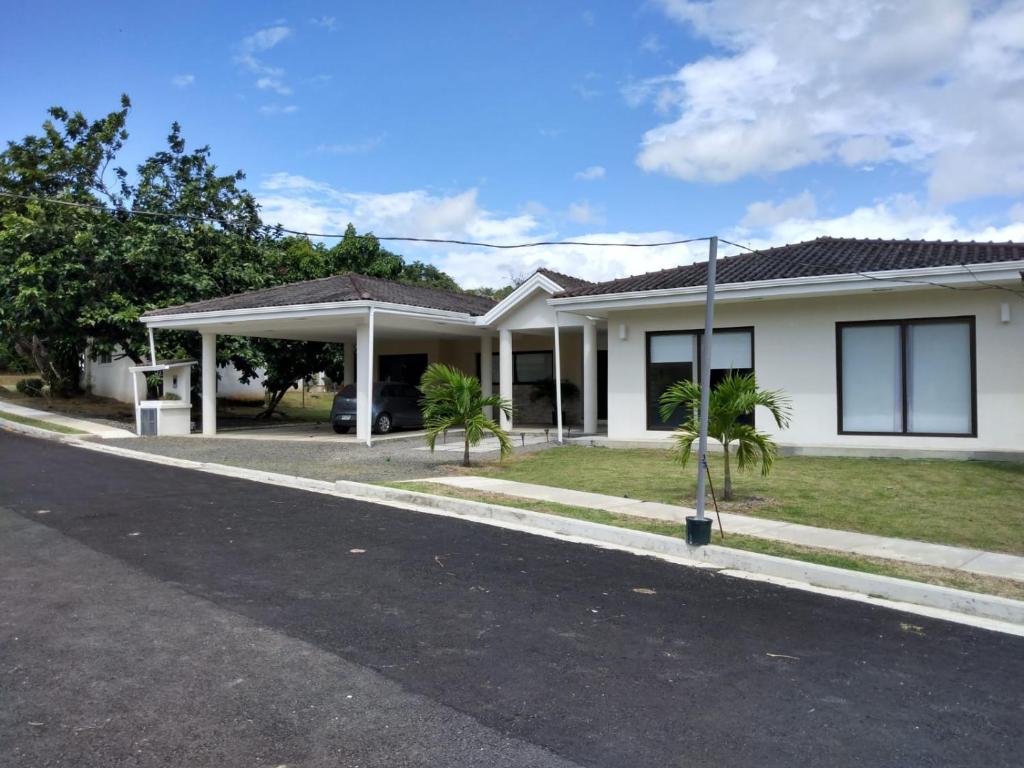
<point>350,148</point>
<point>270,83</point>
<point>329,23</point>
<point>308,205</point>
<point>268,78</point>
<point>183,81</point>
<point>651,44</point>
<point>765,214</point>
<point>591,174</point>
<point>899,217</point>
<point>935,85</point>
<point>278,109</point>
<point>584,213</point>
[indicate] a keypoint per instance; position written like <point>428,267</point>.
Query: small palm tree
<point>451,399</point>
<point>735,396</point>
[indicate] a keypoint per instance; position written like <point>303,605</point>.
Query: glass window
<point>872,379</point>
<point>670,358</point>
<point>531,367</point>
<point>939,378</point>
<point>907,377</point>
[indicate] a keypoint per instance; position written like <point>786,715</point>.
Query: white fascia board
<point>302,311</point>
<point>522,292</point>
<point>818,285</point>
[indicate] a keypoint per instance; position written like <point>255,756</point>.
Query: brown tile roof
<point>345,287</point>
<point>568,282</point>
<point>823,256</point>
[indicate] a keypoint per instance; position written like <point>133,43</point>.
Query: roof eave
<point>300,311</point>
<point>817,285</point>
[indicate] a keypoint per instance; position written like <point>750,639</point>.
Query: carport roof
<point>337,288</point>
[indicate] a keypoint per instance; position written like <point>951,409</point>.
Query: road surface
<point>155,616</point>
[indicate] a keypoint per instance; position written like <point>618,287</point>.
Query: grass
<point>40,424</point>
<point>941,576</point>
<point>316,408</point>
<point>976,504</point>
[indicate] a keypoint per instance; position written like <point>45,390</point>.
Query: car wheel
<point>383,424</point>
<point>341,430</point>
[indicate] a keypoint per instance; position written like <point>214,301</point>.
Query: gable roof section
<point>338,288</point>
<point>567,282</point>
<point>814,258</point>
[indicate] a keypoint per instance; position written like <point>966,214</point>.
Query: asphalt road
<point>158,616</point>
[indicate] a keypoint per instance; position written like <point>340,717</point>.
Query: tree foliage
<point>174,230</point>
<point>453,400</point>
<point>735,397</point>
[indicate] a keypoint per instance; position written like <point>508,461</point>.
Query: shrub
<point>30,387</point>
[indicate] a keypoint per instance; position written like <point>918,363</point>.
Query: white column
<point>589,376</point>
<point>348,353</point>
<point>486,378</point>
<point>364,381</point>
<point>505,371</point>
<point>209,364</point>
<point>558,378</point>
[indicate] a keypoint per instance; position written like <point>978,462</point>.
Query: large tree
<point>86,247</point>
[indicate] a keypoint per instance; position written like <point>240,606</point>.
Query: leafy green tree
<point>735,398</point>
<point>51,256</point>
<point>451,400</point>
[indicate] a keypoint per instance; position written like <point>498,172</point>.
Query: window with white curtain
<point>907,377</point>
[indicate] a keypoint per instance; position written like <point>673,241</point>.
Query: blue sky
<point>609,121</point>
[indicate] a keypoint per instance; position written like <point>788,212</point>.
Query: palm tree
<point>735,397</point>
<point>451,399</point>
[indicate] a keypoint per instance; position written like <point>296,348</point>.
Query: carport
<point>376,319</point>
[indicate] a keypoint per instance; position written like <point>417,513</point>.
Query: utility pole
<point>698,527</point>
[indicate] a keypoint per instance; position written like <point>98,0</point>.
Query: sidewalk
<point>91,428</point>
<point>919,552</point>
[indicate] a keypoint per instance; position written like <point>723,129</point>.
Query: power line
<point>327,235</point>
<point>501,246</point>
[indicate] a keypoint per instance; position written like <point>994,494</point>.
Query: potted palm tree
<point>453,400</point>
<point>545,390</point>
<point>735,397</point>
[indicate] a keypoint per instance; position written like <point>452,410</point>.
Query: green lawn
<point>965,503</point>
<point>941,576</point>
<point>40,424</point>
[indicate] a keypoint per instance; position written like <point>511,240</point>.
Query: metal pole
<point>152,348</point>
<point>558,380</point>
<point>705,375</point>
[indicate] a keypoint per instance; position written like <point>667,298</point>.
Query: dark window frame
<point>699,332</point>
<point>903,324</point>
<point>515,369</point>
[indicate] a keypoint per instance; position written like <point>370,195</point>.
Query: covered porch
<point>526,355</point>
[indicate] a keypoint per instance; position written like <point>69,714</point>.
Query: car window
<point>349,390</point>
<point>387,391</point>
<point>411,392</point>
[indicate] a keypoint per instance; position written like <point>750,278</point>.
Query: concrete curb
<point>985,611</point>
<point>886,587</point>
<point>27,429</point>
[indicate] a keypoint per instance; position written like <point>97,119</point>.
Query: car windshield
<point>349,390</point>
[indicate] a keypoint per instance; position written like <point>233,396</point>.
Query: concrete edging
<point>976,609</point>
<point>28,429</point>
<point>885,587</point>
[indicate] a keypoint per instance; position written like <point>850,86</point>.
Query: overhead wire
<point>983,285</point>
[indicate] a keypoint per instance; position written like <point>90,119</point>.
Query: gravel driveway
<point>384,462</point>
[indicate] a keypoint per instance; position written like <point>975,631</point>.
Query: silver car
<point>395,406</point>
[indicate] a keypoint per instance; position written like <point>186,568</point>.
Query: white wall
<point>794,350</point>
<point>113,380</point>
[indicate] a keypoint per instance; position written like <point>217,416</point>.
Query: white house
<point>885,347</point>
